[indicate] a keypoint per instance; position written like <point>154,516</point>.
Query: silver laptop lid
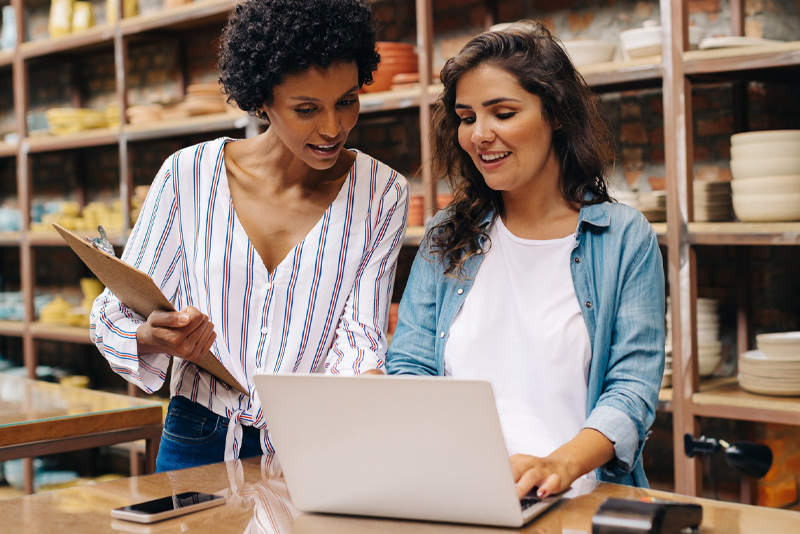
<point>404,447</point>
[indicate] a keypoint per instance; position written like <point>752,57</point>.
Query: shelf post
<point>681,268</point>
<point>424,14</point>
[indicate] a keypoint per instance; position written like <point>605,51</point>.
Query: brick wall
<point>7,120</point>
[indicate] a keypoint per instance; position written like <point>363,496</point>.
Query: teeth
<point>492,157</point>
<point>325,147</point>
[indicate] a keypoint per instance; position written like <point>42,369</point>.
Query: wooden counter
<point>258,504</point>
<point>40,418</point>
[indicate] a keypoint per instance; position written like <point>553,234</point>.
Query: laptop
<point>423,448</point>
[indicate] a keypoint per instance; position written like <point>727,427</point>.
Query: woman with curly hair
<point>533,279</point>
<point>278,250</point>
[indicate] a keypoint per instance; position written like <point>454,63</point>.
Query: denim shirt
<point>618,275</point>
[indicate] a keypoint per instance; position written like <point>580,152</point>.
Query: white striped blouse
<point>324,308</point>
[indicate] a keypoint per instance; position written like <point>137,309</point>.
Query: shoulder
<point>366,165</point>
<point>190,155</point>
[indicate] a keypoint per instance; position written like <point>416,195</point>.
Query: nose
<point>329,126</point>
<point>481,132</point>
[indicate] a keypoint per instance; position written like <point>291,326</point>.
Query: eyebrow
<point>312,99</point>
<point>488,103</point>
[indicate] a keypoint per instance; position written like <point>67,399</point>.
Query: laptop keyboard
<point>529,500</point>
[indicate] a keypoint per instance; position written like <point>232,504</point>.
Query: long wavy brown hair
<point>582,144</point>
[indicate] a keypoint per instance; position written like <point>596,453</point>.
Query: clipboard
<point>137,291</point>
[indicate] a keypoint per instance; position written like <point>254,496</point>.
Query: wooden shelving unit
<point>674,72</point>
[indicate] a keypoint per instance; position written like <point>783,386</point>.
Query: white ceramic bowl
<point>767,185</point>
<point>778,149</point>
<point>646,41</point>
<point>765,136</point>
<point>743,169</point>
<point>780,345</point>
<point>767,208</point>
<point>707,366</point>
<point>588,52</point>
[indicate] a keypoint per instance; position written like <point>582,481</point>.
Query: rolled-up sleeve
<point>627,405</point>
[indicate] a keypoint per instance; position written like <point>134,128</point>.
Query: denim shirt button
<point>460,291</point>
<point>441,334</point>
<point>588,304</point>
<point>577,259</point>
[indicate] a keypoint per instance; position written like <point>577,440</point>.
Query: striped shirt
<point>324,308</point>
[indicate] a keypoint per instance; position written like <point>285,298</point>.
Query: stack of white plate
<point>709,347</point>
<point>653,204</point>
<point>766,175</point>
<point>631,198</point>
<point>712,201</point>
<point>773,369</point>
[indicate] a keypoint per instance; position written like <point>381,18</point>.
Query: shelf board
<point>742,60</point>
<point>389,100</point>
<point>187,126</point>
<point>53,239</point>
<point>646,72</point>
<point>729,401</point>
<point>739,233</point>
<point>187,16</point>
<point>7,150</point>
<point>6,58</point>
<point>57,332</point>
<point>82,139</point>
<point>85,41</point>
<point>12,328</point>
<point>10,238</point>
<point>706,384</point>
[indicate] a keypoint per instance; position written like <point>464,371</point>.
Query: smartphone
<point>166,507</point>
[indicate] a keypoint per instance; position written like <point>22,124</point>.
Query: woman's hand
<point>555,473</point>
<point>187,334</point>
<point>551,476</point>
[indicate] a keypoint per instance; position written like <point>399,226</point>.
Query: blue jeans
<point>194,435</point>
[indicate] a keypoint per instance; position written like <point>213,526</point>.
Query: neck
<point>539,212</point>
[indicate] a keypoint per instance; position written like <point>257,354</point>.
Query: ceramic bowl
<point>765,136</point>
<point>646,41</point>
<point>767,208</point>
<point>778,149</point>
<point>588,51</point>
<point>767,185</point>
<point>779,345</point>
<point>744,169</point>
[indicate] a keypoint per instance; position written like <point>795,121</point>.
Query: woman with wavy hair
<point>279,250</point>
<point>533,279</point>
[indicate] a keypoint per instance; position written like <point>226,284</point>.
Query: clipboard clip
<point>101,243</point>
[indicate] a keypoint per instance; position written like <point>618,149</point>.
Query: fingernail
<point>184,318</point>
<point>541,493</point>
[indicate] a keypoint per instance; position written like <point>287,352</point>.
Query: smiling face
<point>313,111</point>
<point>504,132</point>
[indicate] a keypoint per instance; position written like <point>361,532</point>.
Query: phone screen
<point>166,504</point>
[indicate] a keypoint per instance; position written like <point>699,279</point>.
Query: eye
<point>304,111</point>
<point>506,115</point>
<point>347,102</point>
<point>467,120</point>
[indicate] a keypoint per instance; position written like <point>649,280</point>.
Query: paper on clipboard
<point>137,291</point>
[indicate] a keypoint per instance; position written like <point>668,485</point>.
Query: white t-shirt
<point>521,329</point>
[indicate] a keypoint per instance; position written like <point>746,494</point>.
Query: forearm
<point>587,451</point>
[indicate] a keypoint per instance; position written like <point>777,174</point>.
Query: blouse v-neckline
<point>240,236</point>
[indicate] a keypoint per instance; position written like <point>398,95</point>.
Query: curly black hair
<point>264,40</point>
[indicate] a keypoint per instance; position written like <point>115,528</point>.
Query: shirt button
<point>588,304</point>
<point>577,260</point>
<point>264,330</point>
<point>479,251</point>
<point>268,285</point>
<point>460,291</point>
<point>441,335</point>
